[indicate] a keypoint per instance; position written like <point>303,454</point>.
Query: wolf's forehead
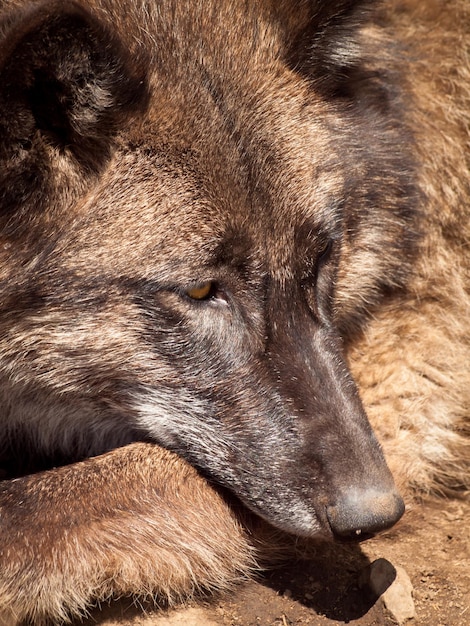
<point>243,158</point>
<point>205,170</point>
<point>171,213</point>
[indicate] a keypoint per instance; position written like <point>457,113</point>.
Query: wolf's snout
<point>358,514</point>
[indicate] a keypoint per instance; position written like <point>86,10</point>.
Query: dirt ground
<point>431,544</point>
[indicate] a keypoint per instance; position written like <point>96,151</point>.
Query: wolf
<point>227,229</point>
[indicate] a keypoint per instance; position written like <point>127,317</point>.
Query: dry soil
<point>431,544</point>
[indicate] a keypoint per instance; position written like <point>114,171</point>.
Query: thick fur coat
<point>232,230</point>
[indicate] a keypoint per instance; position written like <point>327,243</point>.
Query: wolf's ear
<point>67,85</point>
<point>326,47</point>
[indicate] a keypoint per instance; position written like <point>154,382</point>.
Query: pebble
<point>393,585</point>
<point>398,598</point>
<point>378,576</point>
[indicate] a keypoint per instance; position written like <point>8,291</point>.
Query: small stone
<point>378,576</point>
<point>398,598</point>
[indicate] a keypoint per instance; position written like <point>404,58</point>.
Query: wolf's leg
<point>137,520</point>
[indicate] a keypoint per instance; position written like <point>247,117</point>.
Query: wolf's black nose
<point>359,514</point>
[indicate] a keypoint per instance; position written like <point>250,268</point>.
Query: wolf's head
<point>199,201</point>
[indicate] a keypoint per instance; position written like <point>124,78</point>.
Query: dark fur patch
<point>68,85</point>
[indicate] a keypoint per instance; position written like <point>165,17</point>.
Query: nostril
<point>358,515</point>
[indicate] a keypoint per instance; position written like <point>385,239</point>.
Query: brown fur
<point>412,363</point>
<point>402,298</point>
<point>168,538</point>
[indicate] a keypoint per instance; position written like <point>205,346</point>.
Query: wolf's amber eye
<point>200,292</point>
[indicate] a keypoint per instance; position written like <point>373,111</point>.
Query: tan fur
<point>163,533</point>
<point>413,362</point>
